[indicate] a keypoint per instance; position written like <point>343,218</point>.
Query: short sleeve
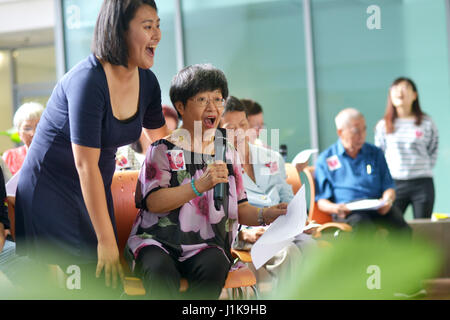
<point>86,104</point>
<point>155,173</point>
<point>323,185</point>
<point>153,116</point>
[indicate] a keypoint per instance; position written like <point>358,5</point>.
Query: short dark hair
<point>252,107</point>
<point>195,79</point>
<point>233,104</point>
<point>109,41</point>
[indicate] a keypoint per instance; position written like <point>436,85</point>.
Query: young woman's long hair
<point>391,113</point>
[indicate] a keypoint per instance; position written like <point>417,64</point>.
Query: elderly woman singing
<point>179,233</point>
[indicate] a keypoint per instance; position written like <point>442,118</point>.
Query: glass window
<point>260,47</point>
<point>80,17</point>
<point>356,62</point>
<point>35,65</point>
<point>5,100</point>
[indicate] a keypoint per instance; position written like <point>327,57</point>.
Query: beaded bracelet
<point>260,217</point>
<point>195,190</point>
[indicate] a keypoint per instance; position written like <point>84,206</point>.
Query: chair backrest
<point>292,177</point>
<point>314,212</point>
<point>123,188</point>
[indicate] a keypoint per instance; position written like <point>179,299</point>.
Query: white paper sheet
<point>11,185</point>
<point>282,231</point>
<point>304,156</point>
<point>367,204</point>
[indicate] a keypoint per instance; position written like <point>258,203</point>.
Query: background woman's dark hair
<point>234,104</point>
<point>109,42</point>
<point>195,79</point>
<point>252,107</point>
<point>391,113</point>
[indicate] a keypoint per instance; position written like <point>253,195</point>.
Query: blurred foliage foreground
<point>364,266</point>
<point>360,267</point>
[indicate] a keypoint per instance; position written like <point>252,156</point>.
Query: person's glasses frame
<point>216,101</point>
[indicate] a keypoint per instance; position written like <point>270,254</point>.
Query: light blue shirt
<point>270,186</point>
<point>342,179</point>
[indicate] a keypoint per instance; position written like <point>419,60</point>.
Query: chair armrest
<point>244,256</point>
<point>338,225</point>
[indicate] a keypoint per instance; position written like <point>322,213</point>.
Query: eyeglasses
<point>217,102</point>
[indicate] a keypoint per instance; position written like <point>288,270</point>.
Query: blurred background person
<point>25,121</point>
<point>265,184</point>
<point>351,170</point>
<point>255,118</point>
<point>171,116</point>
<point>409,139</point>
<point>131,157</point>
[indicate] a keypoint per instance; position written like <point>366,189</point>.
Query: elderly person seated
<point>264,180</point>
<point>25,121</point>
<point>352,169</point>
<point>178,232</point>
<point>171,117</point>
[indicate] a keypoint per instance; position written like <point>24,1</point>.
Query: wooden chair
<point>315,214</point>
<point>123,188</point>
<point>293,177</point>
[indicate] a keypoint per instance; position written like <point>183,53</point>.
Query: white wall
<point>23,15</point>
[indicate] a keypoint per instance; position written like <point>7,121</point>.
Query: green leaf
<point>12,134</point>
<point>182,175</point>
<point>229,224</point>
<point>145,236</point>
<point>165,222</point>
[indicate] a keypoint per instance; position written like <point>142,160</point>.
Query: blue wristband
<point>195,190</point>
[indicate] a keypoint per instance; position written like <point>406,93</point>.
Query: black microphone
<point>220,142</point>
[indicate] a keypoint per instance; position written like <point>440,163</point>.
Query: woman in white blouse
<point>409,139</point>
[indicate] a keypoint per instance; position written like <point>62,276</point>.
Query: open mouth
<point>209,121</point>
<point>151,51</point>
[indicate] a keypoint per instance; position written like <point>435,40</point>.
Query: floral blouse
<point>196,225</point>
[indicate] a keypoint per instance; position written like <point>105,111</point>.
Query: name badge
<point>419,134</point>
<point>270,168</point>
<point>333,163</point>
<point>176,160</point>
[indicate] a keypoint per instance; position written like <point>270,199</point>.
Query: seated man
<point>265,183</point>
<point>352,169</point>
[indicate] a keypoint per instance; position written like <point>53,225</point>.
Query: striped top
<point>411,150</point>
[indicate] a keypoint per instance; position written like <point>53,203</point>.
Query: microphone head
<point>220,140</point>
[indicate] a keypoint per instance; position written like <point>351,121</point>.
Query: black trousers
<point>369,221</point>
<point>206,273</point>
<point>419,193</point>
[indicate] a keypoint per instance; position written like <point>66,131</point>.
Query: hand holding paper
<point>367,204</point>
<point>282,231</point>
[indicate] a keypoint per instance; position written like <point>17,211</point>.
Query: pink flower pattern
<point>192,225</point>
